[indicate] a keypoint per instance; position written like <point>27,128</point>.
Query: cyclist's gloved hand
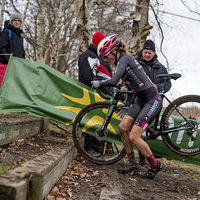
<point>123,111</point>
<point>95,84</point>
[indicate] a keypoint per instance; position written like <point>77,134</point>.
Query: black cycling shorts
<point>145,112</point>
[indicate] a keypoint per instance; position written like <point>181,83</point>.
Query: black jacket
<point>13,45</point>
<point>152,69</point>
<point>85,73</point>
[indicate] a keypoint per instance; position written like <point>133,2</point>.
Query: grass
<point>183,165</point>
<point>184,168</point>
<point>6,166</point>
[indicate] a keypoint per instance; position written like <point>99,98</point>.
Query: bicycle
<point>179,125</point>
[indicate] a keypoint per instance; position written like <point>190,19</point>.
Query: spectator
<point>13,45</point>
<point>88,63</point>
<point>148,59</point>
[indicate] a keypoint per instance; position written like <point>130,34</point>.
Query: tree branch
<point>189,8</point>
<point>162,36</point>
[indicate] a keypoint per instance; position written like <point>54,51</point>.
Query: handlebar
<point>120,96</point>
<point>101,95</point>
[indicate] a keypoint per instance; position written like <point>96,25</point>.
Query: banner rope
<point>165,12</point>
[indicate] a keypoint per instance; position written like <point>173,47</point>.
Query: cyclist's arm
<point>116,77</point>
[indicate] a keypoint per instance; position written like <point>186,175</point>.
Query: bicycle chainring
<point>101,135</point>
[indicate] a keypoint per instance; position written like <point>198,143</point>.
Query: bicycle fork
<point>107,119</point>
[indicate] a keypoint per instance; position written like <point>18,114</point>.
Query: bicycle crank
<point>101,134</point>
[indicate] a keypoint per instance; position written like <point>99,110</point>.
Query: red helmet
<point>107,44</point>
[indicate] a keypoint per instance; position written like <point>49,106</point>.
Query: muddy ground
<point>86,181</point>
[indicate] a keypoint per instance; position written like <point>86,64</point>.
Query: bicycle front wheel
<point>184,142</point>
<point>88,140</point>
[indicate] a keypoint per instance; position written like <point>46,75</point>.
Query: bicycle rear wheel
<point>181,141</point>
<point>89,121</point>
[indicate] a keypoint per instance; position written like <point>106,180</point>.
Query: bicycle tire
<point>114,152</point>
<point>180,142</point>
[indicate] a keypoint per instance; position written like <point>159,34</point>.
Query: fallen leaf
<point>31,144</point>
<point>132,179</point>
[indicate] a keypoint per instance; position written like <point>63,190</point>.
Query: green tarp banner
<point>34,88</point>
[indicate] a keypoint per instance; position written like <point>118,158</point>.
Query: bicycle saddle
<point>169,76</point>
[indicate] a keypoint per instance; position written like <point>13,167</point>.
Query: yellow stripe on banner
<point>96,120</point>
<point>85,100</point>
<point>72,109</point>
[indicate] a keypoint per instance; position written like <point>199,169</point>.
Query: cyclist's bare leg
<point>124,128</point>
<point>143,147</point>
<point>135,138</point>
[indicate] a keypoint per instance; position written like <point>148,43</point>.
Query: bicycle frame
<point>99,119</point>
<point>154,132</point>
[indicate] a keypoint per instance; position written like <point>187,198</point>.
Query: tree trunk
<point>55,37</point>
<point>40,33</point>
<point>2,12</point>
<point>140,29</point>
<point>83,24</point>
<point>25,12</point>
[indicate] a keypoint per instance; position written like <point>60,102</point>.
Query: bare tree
<point>40,34</point>
<point>83,23</point>
<point>25,13</point>
<point>2,11</point>
<point>50,32</point>
<point>140,29</point>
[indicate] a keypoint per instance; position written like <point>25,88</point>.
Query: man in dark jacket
<point>89,65</point>
<point>14,44</point>
<point>148,59</point>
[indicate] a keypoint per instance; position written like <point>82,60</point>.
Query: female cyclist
<point>143,111</point>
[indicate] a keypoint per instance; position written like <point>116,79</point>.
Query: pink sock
<point>152,161</point>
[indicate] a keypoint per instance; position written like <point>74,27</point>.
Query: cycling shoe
<point>129,167</point>
<point>154,170</point>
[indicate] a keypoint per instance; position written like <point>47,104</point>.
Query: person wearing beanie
<point>149,45</point>
<point>91,65</point>
<point>97,37</point>
<point>15,17</point>
<point>14,44</point>
<point>148,59</point>
<point>89,59</point>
